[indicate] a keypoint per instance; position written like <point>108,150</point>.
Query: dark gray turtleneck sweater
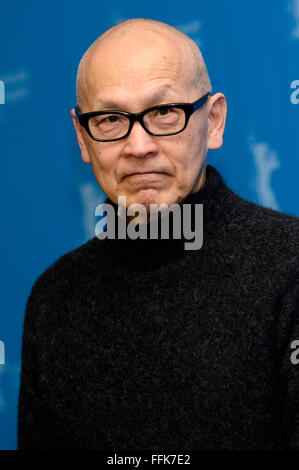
<point>140,344</point>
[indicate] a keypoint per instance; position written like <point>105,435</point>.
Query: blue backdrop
<point>49,195</point>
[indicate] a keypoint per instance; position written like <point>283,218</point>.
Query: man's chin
<point>147,197</point>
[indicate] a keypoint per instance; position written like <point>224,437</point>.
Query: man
<point>140,343</point>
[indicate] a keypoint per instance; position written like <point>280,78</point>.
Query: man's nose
<point>139,143</point>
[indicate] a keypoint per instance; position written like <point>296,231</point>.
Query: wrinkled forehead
<point>131,63</point>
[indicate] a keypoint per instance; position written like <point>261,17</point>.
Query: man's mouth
<point>145,175</point>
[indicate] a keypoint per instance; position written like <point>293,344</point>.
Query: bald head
<point>145,39</point>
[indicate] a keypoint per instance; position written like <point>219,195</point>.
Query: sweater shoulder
<point>68,270</point>
<point>265,231</point>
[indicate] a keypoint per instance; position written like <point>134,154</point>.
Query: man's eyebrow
<point>109,104</point>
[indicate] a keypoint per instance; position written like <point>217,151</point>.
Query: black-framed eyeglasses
<point>161,120</point>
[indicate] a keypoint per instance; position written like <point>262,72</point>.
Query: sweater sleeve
<point>288,333</point>
<point>33,423</point>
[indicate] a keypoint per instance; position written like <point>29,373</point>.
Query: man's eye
<point>164,111</point>
<point>110,119</point>
<point>104,120</point>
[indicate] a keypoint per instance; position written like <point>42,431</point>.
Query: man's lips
<point>144,173</point>
<point>145,177</point>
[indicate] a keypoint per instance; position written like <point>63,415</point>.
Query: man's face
<point>131,75</point>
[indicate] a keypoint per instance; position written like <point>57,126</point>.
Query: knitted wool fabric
<point>141,344</point>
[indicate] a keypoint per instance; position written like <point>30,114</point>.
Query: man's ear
<point>217,117</point>
<point>79,131</point>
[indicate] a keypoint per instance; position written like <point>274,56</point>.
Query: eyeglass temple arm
<point>200,102</point>
<point>77,112</point>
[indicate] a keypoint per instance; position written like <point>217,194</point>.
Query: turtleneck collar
<point>150,252</point>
